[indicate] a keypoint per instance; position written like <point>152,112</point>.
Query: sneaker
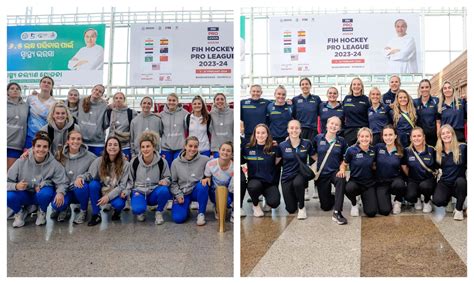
<point>194,205</point>
<point>257,211</point>
<point>216,215</point>
<point>397,208</point>
<point>266,208</point>
<point>19,219</point>
<point>10,214</point>
<point>116,215</point>
<point>242,212</point>
<point>338,218</point>
<point>418,205</point>
<point>61,216</point>
<point>201,219</point>
<point>127,205</point>
<point>458,215</point>
<point>232,216</point>
<point>427,207</point>
<point>169,205</point>
<point>41,218</point>
<point>306,195</point>
<point>106,207</point>
<point>159,218</point>
<point>302,214</point>
<point>141,217</point>
<point>315,195</point>
<point>54,214</point>
<point>450,207</point>
<point>31,209</point>
<point>95,219</point>
<point>355,211</point>
<point>80,217</point>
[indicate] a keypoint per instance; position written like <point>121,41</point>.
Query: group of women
<point>147,158</point>
<point>391,144</point>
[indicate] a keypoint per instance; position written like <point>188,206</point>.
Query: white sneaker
<point>107,207</point>
<point>242,212</point>
<point>450,207</point>
<point>194,205</point>
<point>266,208</point>
<point>141,217</point>
<point>201,219</point>
<point>19,219</point>
<point>418,205</point>
<point>232,216</point>
<point>216,215</point>
<point>427,207</point>
<point>302,214</point>
<point>31,209</point>
<point>355,210</point>
<point>315,195</point>
<point>41,218</point>
<point>80,217</point>
<point>257,211</point>
<point>306,195</point>
<point>397,208</point>
<point>10,214</point>
<point>458,215</point>
<point>127,205</point>
<point>169,205</point>
<point>159,218</point>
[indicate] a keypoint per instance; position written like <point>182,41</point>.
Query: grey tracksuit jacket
<point>60,135</point>
<point>77,165</point>
<point>142,122</point>
<point>119,123</point>
<point>186,174</point>
<point>146,178</point>
<point>17,121</point>
<point>172,128</point>
<point>93,123</point>
<point>222,127</point>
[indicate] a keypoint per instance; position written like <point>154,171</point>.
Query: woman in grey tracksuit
<point>187,175</point>
<point>145,121</point>
<point>222,123</point>
<point>119,117</point>
<point>172,128</point>
<point>36,180</point>
<point>90,118</point>
<point>17,116</point>
<point>151,178</point>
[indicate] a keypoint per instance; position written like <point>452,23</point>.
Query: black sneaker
<point>116,215</point>
<point>338,218</point>
<point>95,219</point>
<point>54,214</point>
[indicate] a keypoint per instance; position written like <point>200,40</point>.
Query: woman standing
<point>260,156</point>
<point>427,111</point>
<point>197,124</point>
<point>91,119</point>
<point>361,158</point>
<point>379,115</point>
<point>404,116</point>
<point>145,121</point>
<point>108,178</point>
<point>222,123</point>
<point>17,117</point>
<point>76,160</point>
<point>452,110</point>
<point>305,110</point>
<point>119,117</point>
<point>187,173</point>
<point>451,156</point>
<point>330,149</point>
<point>39,106</point>
<point>279,114</point>
<point>355,106</point>
<point>172,128</point>
<point>330,108</point>
<point>73,102</point>
<point>36,180</point>
<point>151,178</point>
<point>389,156</point>
<point>419,164</point>
<point>293,184</point>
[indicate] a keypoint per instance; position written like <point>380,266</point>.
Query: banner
<point>181,54</point>
<point>345,44</point>
<point>242,45</point>
<point>70,54</point>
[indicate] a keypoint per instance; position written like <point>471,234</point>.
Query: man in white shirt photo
<point>89,57</point>
<point>401,51</point>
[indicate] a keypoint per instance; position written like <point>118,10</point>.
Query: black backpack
<point>51,131</point>
<point>129,114</point>
<point>188,120</point>
<point>136,162</point>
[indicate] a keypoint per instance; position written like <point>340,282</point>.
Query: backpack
<point>129,114</point>
<point>136,162</point>
<point>51,131</point>
<point>187,121</point>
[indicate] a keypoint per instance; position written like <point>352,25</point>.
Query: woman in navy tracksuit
<point>388,171</point>
<point>331,108</point>
<point>451,156</point>
<point>330,173</point>
<point>452,110</point>
<point>361,158</point>
<point>379,115</point>
<point>305,110</point>
<point>355,106</point>
<point>278,115</point>
<point>421,180</point>
<point>427,111</point>
<point>293,184</point>
<point>404,116</point>
<point>253,111</point>
<point>260,156</point>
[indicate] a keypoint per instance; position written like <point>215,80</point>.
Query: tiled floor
<point>280,245</point>
<point>124,248</point>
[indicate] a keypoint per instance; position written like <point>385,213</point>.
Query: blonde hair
<point>417,128</point>
<point>59,104</point>
<point>376,89</point>
<point>457,101</point>
<point>362,130</point>
<point>397,112</point>
<point>454,145</point>
<point>124,97</point>
<point>149,136</point>
<point>281,87</point>
<point>361,83</point>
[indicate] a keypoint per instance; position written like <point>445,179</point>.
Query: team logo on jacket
<point>300,101</point>
<point>253,153</point>
<point>322,143</point>
<point>411,159</point>
<point>325,109</point>
<point>359,155</point>
<point>247,102</point>
<point>349,100</point>
<point>288,150</point>
<point>381,151</point>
